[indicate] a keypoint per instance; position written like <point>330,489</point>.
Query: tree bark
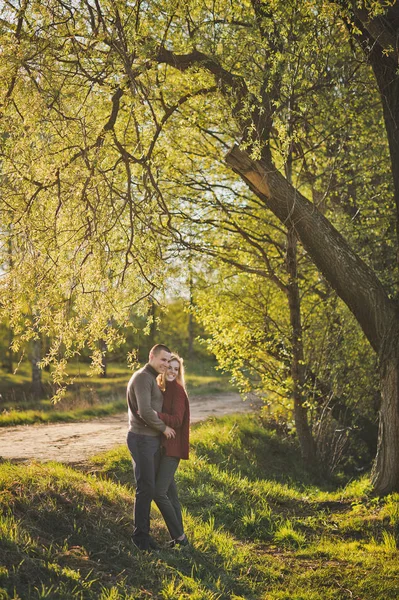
<point>385,472</point>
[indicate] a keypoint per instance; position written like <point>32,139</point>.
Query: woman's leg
<point>175,502</point>
<point>165,477</point>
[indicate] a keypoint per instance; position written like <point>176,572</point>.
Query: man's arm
<point>142,390</point>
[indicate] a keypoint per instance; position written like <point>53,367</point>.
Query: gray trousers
<point>146,452</point>
<point>166,496</point>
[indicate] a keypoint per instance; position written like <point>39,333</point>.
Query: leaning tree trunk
<point>354,282</point>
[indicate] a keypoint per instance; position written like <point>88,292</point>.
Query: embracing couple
<point>158,437</point>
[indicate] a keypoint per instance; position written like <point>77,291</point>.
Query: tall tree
<point>352,279</point>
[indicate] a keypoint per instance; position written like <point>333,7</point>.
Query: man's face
<point>160,361</point>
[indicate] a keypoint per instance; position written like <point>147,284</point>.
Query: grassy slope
<point>261,525</point>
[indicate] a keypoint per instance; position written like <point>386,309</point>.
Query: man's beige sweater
<point>143,398</point>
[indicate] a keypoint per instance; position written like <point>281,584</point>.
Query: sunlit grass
<point>29,417</point>
<point>391,510</point>
<point>256,532</point>
<point>288,537</point>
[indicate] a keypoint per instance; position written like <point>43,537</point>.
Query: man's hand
<point>169,432</point>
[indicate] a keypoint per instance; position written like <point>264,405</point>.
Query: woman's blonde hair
<point>161,379</point>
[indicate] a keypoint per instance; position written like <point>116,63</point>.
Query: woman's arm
<point>175,419</point>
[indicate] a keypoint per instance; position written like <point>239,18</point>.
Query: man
<point>144,399</point>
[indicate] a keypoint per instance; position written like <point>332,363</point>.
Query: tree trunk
<point>153,325</point>
<point>190,351</point>
<point>37,388</point>
<point>10,330</point>
<point>10,354</point>
<point>103,348</point>
<point>354,282</point>
<point>379,35</point>
<point>190,331</point>
<point>378,39</point>
<point>385,473</point>
<point>308,449</point>
<point>388,83</point>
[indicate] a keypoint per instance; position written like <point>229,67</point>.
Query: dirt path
<point>76,442</point>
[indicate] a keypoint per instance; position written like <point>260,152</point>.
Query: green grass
<point>88,396</point>
<point>29,417</point>
<point>262,527</point>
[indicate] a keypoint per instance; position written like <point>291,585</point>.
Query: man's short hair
<point>155,350</point>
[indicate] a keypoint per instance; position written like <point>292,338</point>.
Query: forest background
<point>240,156</point>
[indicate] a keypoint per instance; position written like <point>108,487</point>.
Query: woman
<point>176,414</point>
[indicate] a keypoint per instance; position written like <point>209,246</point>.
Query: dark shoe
<point>147,546</point>
<point>177,543</point>
<point>142,547</point>
<point>153,545</point>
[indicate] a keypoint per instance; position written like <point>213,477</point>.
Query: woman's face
<point>172,371</point>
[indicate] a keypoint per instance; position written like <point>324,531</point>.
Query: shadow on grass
<point>241,475</point>
<point>251,446</point>
<point>67,535</point>
<point>254,524</point>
